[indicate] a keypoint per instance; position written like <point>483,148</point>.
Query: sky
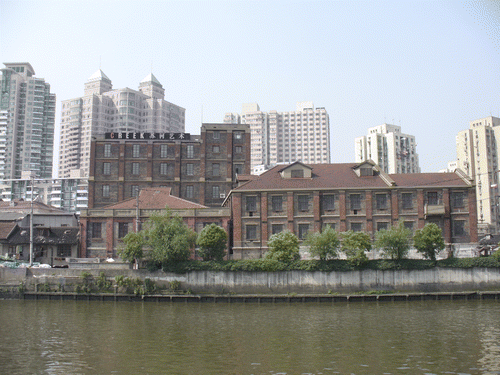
<point>430,67</point>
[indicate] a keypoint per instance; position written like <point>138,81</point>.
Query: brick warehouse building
<point>201,169</point>
<point>358,197</point>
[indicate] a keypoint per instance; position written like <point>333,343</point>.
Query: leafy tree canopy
<point>134,243</point>
<point>394,242</point>
<point>429,241</point>
<point>212,242</point>
<point>283,246</point>
<point>323,245</point>
<point>353,242</point>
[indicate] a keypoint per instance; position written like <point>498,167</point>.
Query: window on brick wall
<point>122,230</point>
<point>356,227</point>
<point>407,201</point>
<point>355,201</point>
<point>189,191</point>
<point>107,150</point>
<point>381,200</point>
<point>215,169</point>
<point>215,192</point>
<point>303,229</point>
<point>276,228</point>
<point>432,198</point>
<point>106,168</point>
<point>189,169</point>
<point>303,202</point>
<point>238,149</point>
<point>135,168</point>
<point>63,251</point>
<point>215,149</point>
<point>459,228</point>
<point>105,191</point>
<point>190,151</point>
<point>251,204</point>
<point>409,225</point>
<point>458,199</point>
<point>163,169</point>
<point>96,230</point>
<point>134,190</point>
<point>136,151</point>
<point>328,202</point>
<point>382,226</point>
<point>216,134</point>
<point>164,151</point>
<point>277,203</point>
<point>251,232</point>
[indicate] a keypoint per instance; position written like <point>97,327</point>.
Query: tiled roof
<point>57,236</point>
<point>6,229</point>
<point>342,176</point>
<point>19,205</point>
<point>156,198</point>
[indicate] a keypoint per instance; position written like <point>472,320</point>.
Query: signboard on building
<point>149,136</point>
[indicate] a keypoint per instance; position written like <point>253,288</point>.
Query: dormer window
<point>364,171</point>
<point>297,173</point>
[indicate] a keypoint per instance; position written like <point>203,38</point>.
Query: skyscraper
<point>102,110</point>
<point>285,137</point>
<point>27,117</point>
<point>477,155</point>
<point>392,150</point>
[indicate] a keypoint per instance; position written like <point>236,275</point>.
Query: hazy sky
<point>428,66</point>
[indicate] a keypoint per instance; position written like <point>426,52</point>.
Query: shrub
<point>394,242</point>
<point>429,241</point>
<point>323,245</point>
<point>283,246</point>
<point>212,242</point>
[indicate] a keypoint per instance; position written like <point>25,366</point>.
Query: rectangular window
<point>238,149</point>
<point>297,173</point>
<point>276,228</point>
<point>382,226</point>
<point>164,169</point>
<point>458,199</point>
<point>407,201</point>
<point>106,168</point>
<point>251,232</point>
<point>189,191</point>
<point>107,150</point>
<point>381,201</point>
<point>355,201</point>
<point>238,168</point>
<point>215,149</point>
<point>96,230</point>
<point>190,151</point>
<point>134,190</point>
<point>163,151</point>
<point>303,202</point>
<point>251,204</point>
<point>409,225</point>
<point>105,191</point>
<point>432,197</point>
<point>189,169</point>
<point>64,251</point>
<point>136,151</point>
<point>215,169</point>
<point>303,229</point>
<point>331,225</point>
<point>122,230</point>
<point>277,203</point>
<point>328,202</point>
<point>215,192</point>
<point>459,228</point>
<point>356,227</point>
<point>216,134</point>
<point>135,168</point>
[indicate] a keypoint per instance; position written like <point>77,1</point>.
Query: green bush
<point>103,284</point>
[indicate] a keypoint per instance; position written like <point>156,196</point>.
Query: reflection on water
<point>78,337</point>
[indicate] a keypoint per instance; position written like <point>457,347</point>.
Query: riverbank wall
<point>285,282</point>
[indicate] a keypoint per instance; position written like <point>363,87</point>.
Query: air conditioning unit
<point>222,195</point>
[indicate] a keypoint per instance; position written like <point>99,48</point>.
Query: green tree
<point>169,239</point>
<point>283,246</point>
<point>212,242</point>
<point>394,242</point>
<point>354,245</point>
<point>133,250</point>
<point>429,241</point>
<point>323,245</point>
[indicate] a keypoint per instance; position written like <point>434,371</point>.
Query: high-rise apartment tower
<point>27,117</point>
<point>477,155</point>
<point>392,150</point>
<point>103,109</point>
<point>285,137</point>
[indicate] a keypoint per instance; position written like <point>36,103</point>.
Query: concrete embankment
<point>269,283</point>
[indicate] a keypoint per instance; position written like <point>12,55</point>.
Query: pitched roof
<point>151,78</point>
<point>98,76</point>
<point>19,205</point>
<point>6,229</point>
<point>56,236</point>
<point>342,176</point>
<point>155,198</point>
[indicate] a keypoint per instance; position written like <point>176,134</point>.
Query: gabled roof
<point>343,176</point>
<point>6,229</point>
<point>19,205</point>
<point>293,164</point>
<point>151,78</point>
<point>155,198</point>
<point>56,236</point>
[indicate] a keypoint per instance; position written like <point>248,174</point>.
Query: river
<point>79,337</point>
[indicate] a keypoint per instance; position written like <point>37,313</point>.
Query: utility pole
<point>32,177</point>
<point>137,192</point>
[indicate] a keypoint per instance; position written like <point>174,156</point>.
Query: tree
<point>283,246</point>
<point>132,252</point>
<point>170,240</point>
<point>323,245</point>
<point>354,245</point>
<point>212,242</point>
<point>429,241</point>
<point>394,242</point>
